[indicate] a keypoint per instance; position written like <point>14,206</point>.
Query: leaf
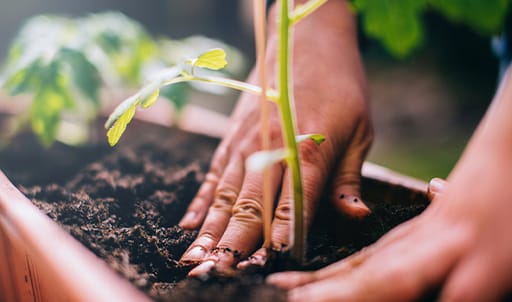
<point>261,160</point>
<point>483,16</point>
<point>396,23</point>
<point>317,138</point>
<point>84,74</point>
<point>24,80</point>
<point>149,94</point>
<point>45,114</point>
<point>176,93</point>
<point>117,130</point>
<point>214,59</point>
<point>121,109</point>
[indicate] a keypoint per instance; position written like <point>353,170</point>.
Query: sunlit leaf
<point>149,94</point>
<point>117,130</point>
<point>121,109</point>
<point>261,160</point>
<point>317,138</point>
<point>213,59</point>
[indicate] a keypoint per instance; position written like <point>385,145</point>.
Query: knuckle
<point>283,211</point>
<point>225,197</point>
<point>309,152</point>
<point>249,208</point>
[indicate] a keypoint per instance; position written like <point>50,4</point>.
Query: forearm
<point>493,137</point>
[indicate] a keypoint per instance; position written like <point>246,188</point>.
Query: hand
<point>460,244</point>
<point>330,93</point>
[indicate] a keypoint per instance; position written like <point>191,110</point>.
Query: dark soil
<point>124,205</point>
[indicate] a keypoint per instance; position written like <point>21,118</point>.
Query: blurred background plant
<point>430,66</point>
<point>64,63</point>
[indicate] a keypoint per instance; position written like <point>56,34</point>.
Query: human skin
<point>460,244</point>
<point>330,98</point>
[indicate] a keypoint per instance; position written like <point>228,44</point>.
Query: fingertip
<point>353,206</point>
<point>202,269</point>
<point>289,280</point>
<point>190,221</point>
<point>435,187</point>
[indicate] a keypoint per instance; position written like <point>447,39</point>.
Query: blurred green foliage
<point>398,23</point>
<point>65,62</point>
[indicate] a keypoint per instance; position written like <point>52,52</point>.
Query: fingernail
<point>188,219</point>
<point>354,206</point>
<point>202,269</point>
<point>195,254</point>
<point>436,185</point>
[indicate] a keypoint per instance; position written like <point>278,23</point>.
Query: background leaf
<point>396,23</point>
<point>484,16</point>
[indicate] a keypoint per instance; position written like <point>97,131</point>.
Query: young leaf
<point>261,160</point>
<point>317,138</point>
<point>149,94</point>
<point>214,59</point>
<point>121,109</point>
<point>115,132</point>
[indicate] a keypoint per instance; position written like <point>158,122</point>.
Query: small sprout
<point>261,160</point>
<point>317,138</point>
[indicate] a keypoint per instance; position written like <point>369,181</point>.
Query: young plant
<point>214,59</point>
<point>65,64</point>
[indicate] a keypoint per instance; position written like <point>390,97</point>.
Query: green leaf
<point>176,93</point>
<point>24,80</point>
<point>84,74</point>
<point>317,138</point>
<point>45,112</point>
<point>117,130</point>
<point>214,59</point>
<point>483,16</point>
<point>121,109</point>
<point>396,23</point>
<point>149,94</point>
<point>262,160</point>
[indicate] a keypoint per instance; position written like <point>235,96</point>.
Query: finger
<point>289,280</point>
<point>412,272</point>
<point>245,228</point>
<point>435,188</point>
<point>347,177</point>
<point>259,258</point>
<point>219,213</point>
<point>196,211</point>
<point>314,176</point>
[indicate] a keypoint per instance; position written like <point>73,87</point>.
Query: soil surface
<point>124,205</point>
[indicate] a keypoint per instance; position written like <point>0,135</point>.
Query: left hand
<point>460,244</point>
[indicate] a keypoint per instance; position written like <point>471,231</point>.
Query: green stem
<point>229,83</point>
<point>287,119</point>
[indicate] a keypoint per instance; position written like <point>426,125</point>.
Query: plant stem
<point>285,105</point>
<point>229,83</point>
<point>260,35</point>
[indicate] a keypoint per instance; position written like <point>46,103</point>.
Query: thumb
<point>346,183</point>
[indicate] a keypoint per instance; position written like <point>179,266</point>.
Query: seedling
<point>67,63</point>
<point>214,59</point>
